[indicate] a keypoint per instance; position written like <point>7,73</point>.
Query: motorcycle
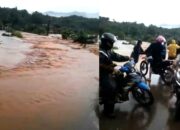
<point>130,80</point>
<point>164,69</point>
<point>176,90</point>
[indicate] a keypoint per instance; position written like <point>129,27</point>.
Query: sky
<point>53,5</point>
<point>156,12</point>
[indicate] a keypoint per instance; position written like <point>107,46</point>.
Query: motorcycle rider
<point>137,50</point>
<point>158,52</point>
<point>108,88</point>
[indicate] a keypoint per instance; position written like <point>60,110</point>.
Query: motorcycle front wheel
<point>144,68</point>
<point>143,97</point>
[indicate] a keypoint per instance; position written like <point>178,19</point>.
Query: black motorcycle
<point>130,80</point>
<point>176,90</point>
<point>164,69</point>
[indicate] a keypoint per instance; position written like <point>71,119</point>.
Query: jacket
<point>157,51</point>
<point>137,50</point>
<point>106,61</point>
<point>172,48</point>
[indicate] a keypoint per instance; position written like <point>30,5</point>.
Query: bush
<point>82,37</point>
<point>40,30</point>
<point>66,33</point>
<point>17,34</point>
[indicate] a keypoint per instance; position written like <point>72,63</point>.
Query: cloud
<point>52,5</point>
<point>142,11</point>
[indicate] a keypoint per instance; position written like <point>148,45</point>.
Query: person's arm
<point>141,50</point>
<point>118,57</point>
<point>177,46</point>
<point>163,52</point>
<point>148,50</point>
<point>133,51</point>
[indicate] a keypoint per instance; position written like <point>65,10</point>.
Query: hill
<point>66,14</point>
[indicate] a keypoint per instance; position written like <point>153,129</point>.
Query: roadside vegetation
<point>78,28</point>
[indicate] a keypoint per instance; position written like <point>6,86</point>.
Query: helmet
<point>107,40</point>
<point>160,39</point>
<point>139,42</point>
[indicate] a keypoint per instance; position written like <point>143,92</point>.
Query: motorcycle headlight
<point>177,76</point>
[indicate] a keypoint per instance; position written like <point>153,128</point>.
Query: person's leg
<point>120,92</point>
<point>109,109</point>
<point>109,90</point>
<point>109,106</point>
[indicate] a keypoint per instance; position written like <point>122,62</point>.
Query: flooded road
<point>12,50</point>
<point>131,116</point>
<point>52,98</point>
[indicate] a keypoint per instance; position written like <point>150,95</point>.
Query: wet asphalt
<point>132,116</point>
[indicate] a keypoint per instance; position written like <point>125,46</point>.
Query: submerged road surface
<point>131,116</point>
<point>52,99</point>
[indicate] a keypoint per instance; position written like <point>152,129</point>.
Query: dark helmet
<point>139,42</point>
<point>107,40</point>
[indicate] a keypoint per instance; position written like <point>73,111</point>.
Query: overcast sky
<point>155,12</point>
<point>53,5</point>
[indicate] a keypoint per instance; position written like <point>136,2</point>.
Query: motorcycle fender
<point>143,85</point>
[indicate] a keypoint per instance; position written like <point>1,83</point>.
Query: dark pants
<point>156,66</point>
<point>108,92</point>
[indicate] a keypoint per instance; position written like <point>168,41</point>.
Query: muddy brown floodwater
<point>54,88</point>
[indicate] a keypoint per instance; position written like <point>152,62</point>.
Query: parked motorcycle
<point>130,80</point>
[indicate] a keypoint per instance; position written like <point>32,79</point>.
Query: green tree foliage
<point>66,33</point>
<point>75,27</point>
<point>133,30</point>
<point>82,37</point>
